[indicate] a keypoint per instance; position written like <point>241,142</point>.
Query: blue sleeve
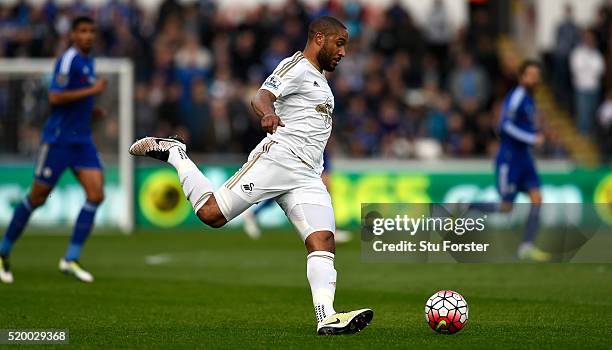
<point>65,73</point>
<point>518,133</point>
<point>58,82</point>
<point>515,110</point>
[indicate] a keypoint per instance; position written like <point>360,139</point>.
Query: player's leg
<point>87,168</point>
<point>341,236</point>
<point>316,225</point>
<point>533,220</point>
<point>251,226</point>
<point>37,197</point>
<point>92,181</point>
<point>506,188</point>
<point>263,205</point>
<point>48,169</point>
<point>531,184</point>
<point>197,188</point>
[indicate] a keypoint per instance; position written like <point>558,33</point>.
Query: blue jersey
<point>517,124</point>
<point>69,123</point>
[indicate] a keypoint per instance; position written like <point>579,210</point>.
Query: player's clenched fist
<point>270,122</point>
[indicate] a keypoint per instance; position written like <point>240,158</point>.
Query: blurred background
<point>418,95</point>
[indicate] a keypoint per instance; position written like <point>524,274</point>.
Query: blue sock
<point>263,206</point>
<point>81,231</point>
<point>533,223</point>
<point>486,207</point>
<point>15,228</point>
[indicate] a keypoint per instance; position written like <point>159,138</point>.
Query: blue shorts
<point>53,159</point>
<point>514,175</point>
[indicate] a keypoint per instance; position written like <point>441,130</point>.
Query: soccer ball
<point>446,312</point>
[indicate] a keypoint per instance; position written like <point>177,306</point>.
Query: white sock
<point>196,186</point>
<point>322,278</point>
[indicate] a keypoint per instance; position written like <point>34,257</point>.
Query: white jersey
<point>304,103</point>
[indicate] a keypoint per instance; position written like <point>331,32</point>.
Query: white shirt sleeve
<point>284,81</point>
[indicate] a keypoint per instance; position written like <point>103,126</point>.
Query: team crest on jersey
<point>325,109</point>
<point>273,82</point>
<point>61,79</point>
<point>248,188</point>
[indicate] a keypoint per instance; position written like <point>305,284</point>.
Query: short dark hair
<point>80,20</point>
<point>528,63</point>
<point>326,25</point>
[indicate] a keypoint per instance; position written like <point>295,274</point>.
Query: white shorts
<point>273,171</point>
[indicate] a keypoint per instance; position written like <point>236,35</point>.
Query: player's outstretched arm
<point>263,105</point>
<point>62,97</point>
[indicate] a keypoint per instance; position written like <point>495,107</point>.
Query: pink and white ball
<point>446,312</point>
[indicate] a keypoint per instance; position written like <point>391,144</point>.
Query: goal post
<point>123,69</point>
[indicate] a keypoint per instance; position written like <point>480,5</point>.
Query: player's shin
<point>533,223</point>
<point>322,278</point>
<point>196,186</point>
<point>16,226</point>
<point>82,229</point>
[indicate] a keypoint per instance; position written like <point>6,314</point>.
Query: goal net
<point>24,108</point>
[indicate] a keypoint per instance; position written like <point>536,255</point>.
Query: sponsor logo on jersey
<point>325,111</point>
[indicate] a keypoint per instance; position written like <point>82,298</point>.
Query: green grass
<point>221,290</point>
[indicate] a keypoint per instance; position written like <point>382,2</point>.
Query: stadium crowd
<point>582,72</point>
<point>403,90</point>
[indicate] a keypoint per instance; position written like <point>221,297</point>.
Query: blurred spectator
<point>438,30</point>
<point>436,121</point>
<point>568,36</point>
<point>587,65</point>
<point>608,76</point>
<point>469,85</point>
<point>604,123</point>
<point>603,26</point>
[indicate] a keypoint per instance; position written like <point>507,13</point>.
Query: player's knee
<point>210,218</point>
<point>215,222</point>
<point>37,199</point>
<point>95,197</point>
<point>321,241</point>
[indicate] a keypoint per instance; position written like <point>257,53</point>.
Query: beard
<point>326,59</point>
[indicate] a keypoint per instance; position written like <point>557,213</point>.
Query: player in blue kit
<point>515,168</point>
<point>66,143</point>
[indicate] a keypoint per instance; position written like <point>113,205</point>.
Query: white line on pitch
<point>158,259</point>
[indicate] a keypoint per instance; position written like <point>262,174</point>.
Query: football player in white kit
<point>295,104</point>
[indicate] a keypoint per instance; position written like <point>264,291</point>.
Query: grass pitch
<point>222,290</point>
